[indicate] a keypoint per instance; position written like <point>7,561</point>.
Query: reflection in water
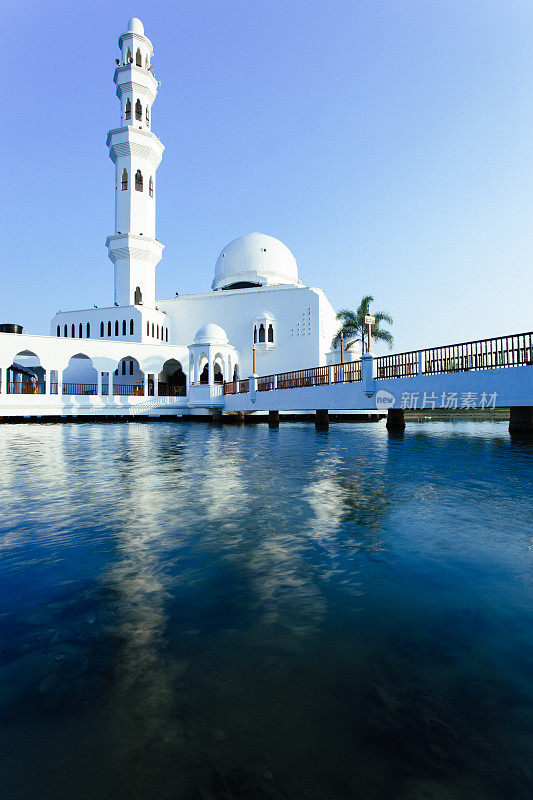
<point>193,612</point>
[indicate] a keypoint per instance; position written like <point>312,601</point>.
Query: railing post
<point>420,362</point>
<point>331,374</point>
<point>367,368</point>
<point>253,387</point>
<point>275,382</point>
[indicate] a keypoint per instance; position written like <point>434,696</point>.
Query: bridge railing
<point>317,376</point>
<point>399,365</point>
<point>265,383</point>
<point>350,372</point>
<point>501,351</point>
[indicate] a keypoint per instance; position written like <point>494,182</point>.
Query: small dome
<point>255,260</point>
<point>135,26</point>
<point>211,334</point>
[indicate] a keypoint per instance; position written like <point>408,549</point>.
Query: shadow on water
<point>219,613</point>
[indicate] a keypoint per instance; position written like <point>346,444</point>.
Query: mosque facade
<point>257,318</point>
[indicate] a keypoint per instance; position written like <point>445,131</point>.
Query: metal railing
<point>230,387</point>
<point>502,351</point>
<point>265,383</point>
<point>317,376</point>
<point>80,388</point>
<point>127,390</point>
<point>16,387</point>
<point>172,391</point>
<point>350,372</point>
<point>243,386</point>
<point>399,365</point>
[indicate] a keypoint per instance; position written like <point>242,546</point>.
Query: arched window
<point>131,367</point>
<point>148,329</point>
<point>128,108</point>
<point>73,330</point>
<point>204,376</point>
<point>88,330</point>
<point>157,334</point>
<point>80,329</point>
<point>255,334</point>
<point>138,181</point>
<point>65,331</point>
<point>123,367</point>
<point>138,58</point>
<point>153,330</point>
<point>166,334</point>
<point>151,186</point>
<point>123,327</point>
<point>58,330</point>
<point>116,327</point>
<point>147,115</point>
<point>124,182</point>
<point>101,329</point>
<point>137,297</point>
<point>138,110</point>
<point>131,327</point>
<point>109,328</point>
<point>128,56</point>
<point>261,333</point>
<point>236,373</point>
<point>218,375</point>
<point>162,334</point>
<point>270,333</point>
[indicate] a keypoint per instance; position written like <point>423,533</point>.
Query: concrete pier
<point>273,419</point>
<point>322,419</point>
<point>395,419</point>
<point>521,419</point>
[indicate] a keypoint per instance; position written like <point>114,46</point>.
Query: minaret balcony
<point>133,142</point>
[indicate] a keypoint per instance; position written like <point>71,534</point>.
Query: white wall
<point>304,324</point>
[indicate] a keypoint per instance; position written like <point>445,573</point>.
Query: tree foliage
<point>353,328</point>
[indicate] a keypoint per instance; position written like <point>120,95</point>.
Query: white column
<point>110,390</point>
<point>210,368</point>
<point>145,384</point>
<point>47,381</point>
<point>331,372</point>
<point>3,384</point>
<point>59,382</point>
<point>99,382</point>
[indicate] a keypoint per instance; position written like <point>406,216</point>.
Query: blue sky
<point>388,144</point>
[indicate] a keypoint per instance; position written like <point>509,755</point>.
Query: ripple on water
<point>195,612</point>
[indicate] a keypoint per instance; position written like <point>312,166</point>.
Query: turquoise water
<point>206,612</point>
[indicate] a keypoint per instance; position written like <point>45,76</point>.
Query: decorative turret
<point>136,153</point>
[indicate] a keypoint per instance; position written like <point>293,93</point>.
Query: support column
<point>145,384</point>
<point>273,419</point>
<point>99,383</point>
<point>521,419</point>
<point>210,368</point>
<point>110,388</point>
<point>47,386</point>
<point>3,380</point>
<point>60,383</point>
<point>395,420</point>
<point>322,419</point>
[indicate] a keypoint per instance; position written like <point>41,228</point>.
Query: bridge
<point>483,374</point>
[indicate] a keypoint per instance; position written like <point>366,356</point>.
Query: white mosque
<point>258,316</point>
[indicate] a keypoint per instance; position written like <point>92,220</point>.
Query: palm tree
<point>353,326</point>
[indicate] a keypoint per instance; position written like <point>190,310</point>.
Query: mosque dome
<point>135,26</point>
<point>211,334</point>
<point>255,260</point>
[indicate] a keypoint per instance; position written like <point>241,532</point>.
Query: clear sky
<point>388,143</point>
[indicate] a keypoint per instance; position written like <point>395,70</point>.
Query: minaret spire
<point>136,153</point>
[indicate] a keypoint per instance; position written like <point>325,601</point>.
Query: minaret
<point>136,153</point>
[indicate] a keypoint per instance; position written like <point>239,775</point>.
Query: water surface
<point>235,612</point>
